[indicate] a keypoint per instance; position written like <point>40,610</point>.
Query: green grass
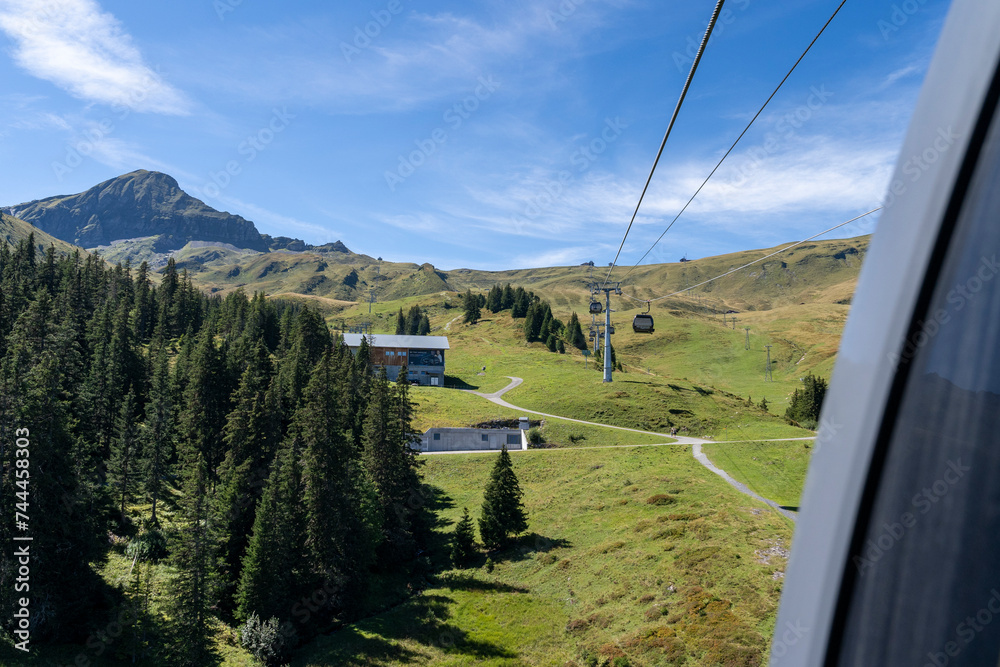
<point>453,408</point>
<point>601,570</point>
<point>775,470</point>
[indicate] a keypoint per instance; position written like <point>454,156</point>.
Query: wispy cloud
<point>273,223</point>
<point>86,52</point>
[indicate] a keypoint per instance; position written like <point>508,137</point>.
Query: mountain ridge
<point>138,204</point>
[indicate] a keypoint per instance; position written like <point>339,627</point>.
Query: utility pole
<point>748,338</point>
<point>734,323</point>
<point>371,292</point>
<point>617,289</point>
<point>767,369</point>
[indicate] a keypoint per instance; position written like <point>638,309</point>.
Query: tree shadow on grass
<point>527,545</point>
<point>452,382</point>
<point>467,581</point>
<point>378,640</point>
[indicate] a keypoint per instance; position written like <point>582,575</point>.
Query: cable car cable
<point>761,259</point>
<point>670,126</point>
<point>745,130</point>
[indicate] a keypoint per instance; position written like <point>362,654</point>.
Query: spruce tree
<point>502,514</point>
<point>400,323</point>
<point>463,546</point>
<point>157,434</point>
<point>339,542</point>
<point>273,568</point>
<point>494,299</point>
<point>574,333</point>
<point>388,459</point>
<point>506,297</point>
<point>193,557</point>
<point>425,325</point>
<point>123,466</point>
<point>250,437</point>
<point>471,304</point>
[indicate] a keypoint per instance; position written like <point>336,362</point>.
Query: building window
<point>437,436</point>
<point>390,353</point>
<point>486,438</point>
<point>513,439</point>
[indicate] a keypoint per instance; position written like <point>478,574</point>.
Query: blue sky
<point>482,134</point>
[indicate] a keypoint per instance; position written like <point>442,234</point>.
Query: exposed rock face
<point>298,245</point>
<point>142,203</point>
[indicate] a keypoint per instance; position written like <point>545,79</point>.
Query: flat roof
<point>388,340</point>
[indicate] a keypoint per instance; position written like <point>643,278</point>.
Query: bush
<point>535,436</point>
<point>149,545</point>
<point>264,640</point>
<point>661,499</point>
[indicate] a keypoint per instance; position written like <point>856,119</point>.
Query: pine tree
<point>503,514</point>
<point>506,297</point>
<point>250,437</point>
<point>471,304</point>
<point>339,541</point>
<point>574,333</point>
<point>400,323</point>
<point>205,403</point>
<point>807,402</point>
<point>123,466</point>
<point>425,325</point>
<point>463,546</point>
<point>389,461</point>
<point>494,299</point>
<point>273,568</point>
<point>413,320</point>
<point>193,556</point>
<point>157,433</point>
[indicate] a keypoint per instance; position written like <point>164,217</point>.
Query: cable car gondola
<point>596,308</point>
<point>643,322</point>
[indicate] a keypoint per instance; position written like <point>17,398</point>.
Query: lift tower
<point>608,329</point>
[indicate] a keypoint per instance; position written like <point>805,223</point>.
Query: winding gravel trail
<point>696,443</point>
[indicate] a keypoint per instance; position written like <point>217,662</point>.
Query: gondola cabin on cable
<point>643,322</point>
<point>596,308</point>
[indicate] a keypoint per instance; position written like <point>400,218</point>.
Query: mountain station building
<point>423,355</point>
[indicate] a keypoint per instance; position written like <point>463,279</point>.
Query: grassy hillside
<point>13,230</point>
<point>639,554</point>
<point>820,271</point>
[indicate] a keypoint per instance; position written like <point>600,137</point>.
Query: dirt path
<point>695,443</point>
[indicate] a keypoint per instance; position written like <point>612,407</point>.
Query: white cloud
<point>86,52</point>
<point>269,222</point>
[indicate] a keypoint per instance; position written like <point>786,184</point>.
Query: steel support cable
<point>670,126</point>
<point>756,261</point>
<point>745,130</point>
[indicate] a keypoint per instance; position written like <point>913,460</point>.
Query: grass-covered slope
<point>637,553</point>
<point>14,230</point>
